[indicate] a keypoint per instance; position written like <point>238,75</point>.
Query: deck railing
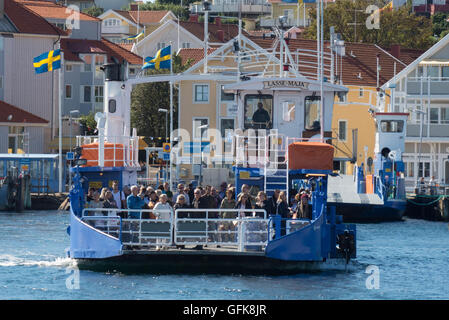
<point>234,229</point>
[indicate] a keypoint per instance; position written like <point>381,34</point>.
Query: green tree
<point>440,24</point>
<point>94,11</point>
<point>147,98</point>
<point>398,26</point>
<point>88,124</point>
<point>182,12</point>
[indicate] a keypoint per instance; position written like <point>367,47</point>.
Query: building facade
<point>422,90</point>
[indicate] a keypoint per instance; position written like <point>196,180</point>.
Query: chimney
<point>193,18</point>
<point>220,35</point>
<point>134,7</point>
<point>2,9</point>
<point>396,51</point>
<point>218,22</point>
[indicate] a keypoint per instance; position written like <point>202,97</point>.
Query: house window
<point>201,93</point>
<point>312,113</point>
<point>160,45</point>
<point>409,169</point>
<point>433,115</point>
<point>99,61</point>
<point>361,92</point>
<point>68,67</point>
<point>426,173</point>
<point>342,96</point>
<point>433,71</point>
<point>342,130</point>
<point>87,62</point>
<point>1,82</point>
<point>445,115</point>
<point>86,92</point>
<point>98,93</point>
<point>197,132</point>
<point>226,96</point>
<point>132,71</point>
<point>186,45</point>
<point>420,72</point>
<point>68,91</point>
<point>445,72</point>
<point>15,139</point>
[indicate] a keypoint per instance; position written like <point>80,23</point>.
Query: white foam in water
<point>12,261</point>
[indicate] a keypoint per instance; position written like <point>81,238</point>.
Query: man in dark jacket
<point>272,202</point>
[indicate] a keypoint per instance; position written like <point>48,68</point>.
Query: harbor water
<point>401,260</point>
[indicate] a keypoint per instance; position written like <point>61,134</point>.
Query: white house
<point>422,89</point>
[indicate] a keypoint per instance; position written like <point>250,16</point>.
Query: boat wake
<point>12,261</point>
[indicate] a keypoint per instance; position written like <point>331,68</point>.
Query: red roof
<point>12,114</point>
<point>73,47</point>
<point>195,54</point>
<point>230,31</point>
<point>144,16</point>
<point>359,64</point>
<point>26,21</point>
<point>51,10</point>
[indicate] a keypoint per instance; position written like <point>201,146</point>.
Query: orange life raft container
<point>310,155</point>
<point>113,154</point>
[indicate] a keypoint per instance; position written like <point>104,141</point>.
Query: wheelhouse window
<point>312,113</point>
<point>392,126</point>
<point>258,111</point>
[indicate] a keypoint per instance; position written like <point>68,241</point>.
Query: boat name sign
<point>285,83</point>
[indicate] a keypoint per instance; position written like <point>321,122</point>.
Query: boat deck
<point>342,189</point>
<point>209,250</point>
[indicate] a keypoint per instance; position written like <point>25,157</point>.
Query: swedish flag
<point>162,60</point>
<point>47,61</point>
<point>137,36</point>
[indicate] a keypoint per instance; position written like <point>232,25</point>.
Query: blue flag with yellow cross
<point>162,60</point>
<point>48,61</point>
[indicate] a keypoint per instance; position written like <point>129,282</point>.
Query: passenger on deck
<point>103,194</point>
<point>198,202</point>
<point>245,190</point>
<point>261,203</point>
<point>304,205</point>
<point>181,203</point>
<point>163,207</point>
<point>90,194</point>
<point>109,201</point>
<point>261,118</point>
<point>272,202</point>
<point>222,192</point>
<point>283,210</point>
<point>227,203</point>
<point>166,190</point>
<point>95,203</point>
<point>126,192</point>
<point>181,191</point>
<point>152,199</point>
<point>244,205</point>
<point>135,201</point>
<point>119,196</point>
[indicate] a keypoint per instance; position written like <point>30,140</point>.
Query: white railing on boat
<point>116,151</point>
<point>248,229</point>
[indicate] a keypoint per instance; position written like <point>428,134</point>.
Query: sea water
<point>401,260</point>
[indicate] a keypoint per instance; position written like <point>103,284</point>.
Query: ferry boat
<point>379,196</point>
<point>251,241</point>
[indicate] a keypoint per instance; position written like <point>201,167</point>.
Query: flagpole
<point>171,112</point>
<point>61,82</point>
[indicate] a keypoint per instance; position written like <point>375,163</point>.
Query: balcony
<point>435,131</point>
<point>248,8</point>
<point>267,22</point>
<point>438,86</point>
<point>114,29</point>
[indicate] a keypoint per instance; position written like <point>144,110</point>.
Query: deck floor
<point>209,250</point>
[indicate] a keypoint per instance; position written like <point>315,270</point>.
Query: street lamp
<point>166,137</point>
<point>206,126</point>
<point>70,123</point>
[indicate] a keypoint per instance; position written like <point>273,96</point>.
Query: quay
<point>428,207</point>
